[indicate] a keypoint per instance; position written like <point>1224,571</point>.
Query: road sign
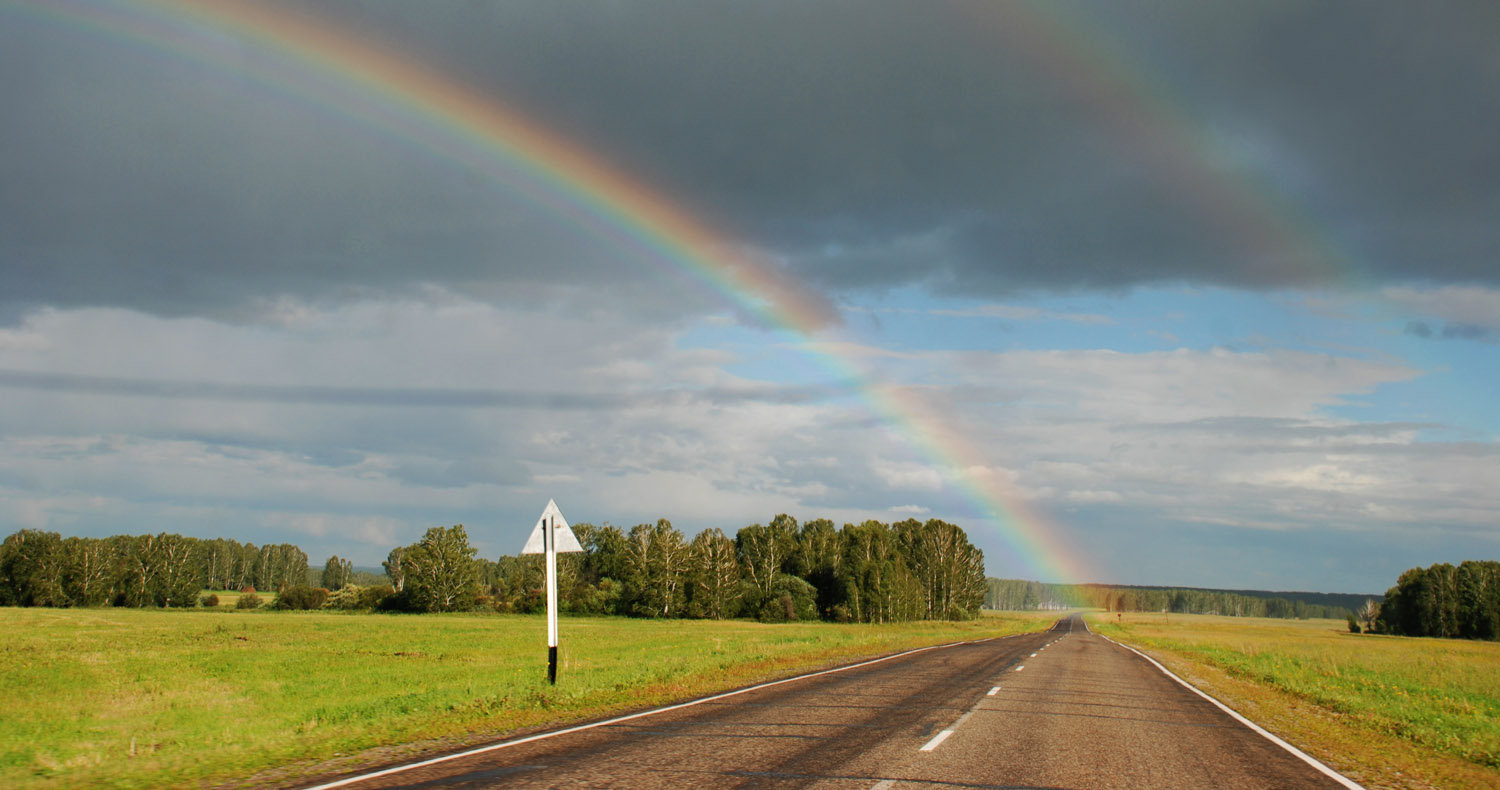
<point>550,536</point>
<point>565,540</point>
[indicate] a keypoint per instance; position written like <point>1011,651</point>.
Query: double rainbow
<point>399,96</point>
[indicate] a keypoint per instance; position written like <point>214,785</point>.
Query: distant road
<point>1058,709</point>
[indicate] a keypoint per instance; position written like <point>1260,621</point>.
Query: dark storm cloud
<point>976,147</point>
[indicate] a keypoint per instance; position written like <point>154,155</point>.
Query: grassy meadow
<point>1387,711</point>
<point>129,698</point>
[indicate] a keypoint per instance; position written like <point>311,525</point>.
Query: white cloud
<point>908,476</point>
<point>1207,437</point>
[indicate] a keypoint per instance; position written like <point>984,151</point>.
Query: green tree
<point>159,570</point>
<point>90,571</point>
<point>819,559</point>
<point>520,584</point>
<point>948,570</point>
<point>31,569</point>
<point>441,574</point>
<point>337,573</point>
<point>877,582</point>
<point>765,553</point>
<point>714,576</point>
<point>656,561</point>
<point>394,570</point>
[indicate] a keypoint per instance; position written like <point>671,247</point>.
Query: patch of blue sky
<point>1455,389</point>
<point>1141,320</point>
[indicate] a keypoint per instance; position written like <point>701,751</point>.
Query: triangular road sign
<point>537,543</point>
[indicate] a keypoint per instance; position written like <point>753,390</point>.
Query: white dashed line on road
<point>1019,668</point>
<point>936,741</point>
<point>993,691</point>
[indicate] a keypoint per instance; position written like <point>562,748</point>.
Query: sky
<point>1163,293</point>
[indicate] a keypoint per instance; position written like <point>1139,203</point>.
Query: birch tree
<point>441,575</point>
<point>714,578</point>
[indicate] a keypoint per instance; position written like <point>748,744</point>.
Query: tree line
<point>44,569</point>
<point>868,572</point>
<point>1022,594</point>
<point>1444,601</point>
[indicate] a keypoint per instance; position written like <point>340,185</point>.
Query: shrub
<point>791,598</point>
<point>301,597</point>
<point>1353,625</point>
<point>371,597</point>
<point>353,597</point>
<point>248,601</point>
<point>209,601</point>
<point>247,589</point>
<point>396,602</point>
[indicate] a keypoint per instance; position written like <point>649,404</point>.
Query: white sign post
<point>550,536</point>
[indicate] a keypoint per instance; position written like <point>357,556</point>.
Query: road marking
<point>936,740</point>
<point>993,691</point>
<point>1304,756</point>
<point>1018,669</point>
<point>1033,655</point>
<point>884,784</point>
<point>618,719</point>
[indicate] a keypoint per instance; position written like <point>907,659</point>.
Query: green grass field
<point>128,698</point>
<point>1392,711</point>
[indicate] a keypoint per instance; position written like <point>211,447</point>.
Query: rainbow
<point>333,71</point>
<point>1150,126</point>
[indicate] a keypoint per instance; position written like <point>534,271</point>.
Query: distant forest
<point>869,572</point>
<point>1018,594</point>
<point>168,570</point>
<point>1443,600</point>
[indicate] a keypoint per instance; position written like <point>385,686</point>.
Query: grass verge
<point>1389,712</point>
<point>125,698</point>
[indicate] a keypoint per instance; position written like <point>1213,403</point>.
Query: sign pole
<point>550,536</point>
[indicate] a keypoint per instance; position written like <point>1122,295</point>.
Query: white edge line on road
<point>1304,756</point>
<point>581,727</point>
<point>936,740</point>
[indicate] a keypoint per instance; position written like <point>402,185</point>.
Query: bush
<point>396,602</point>
<point>353,597</point>
<point>1353,625</point>
<point>371,597</point>
<point>248,601</point>
<point>301,597</point>
<point>209,601</point>
<point>791,598</point>
<point>247,589</point>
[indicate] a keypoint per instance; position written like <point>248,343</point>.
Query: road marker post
<point>551,535</point>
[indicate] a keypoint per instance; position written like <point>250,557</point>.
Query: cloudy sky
<point>1208,294</point>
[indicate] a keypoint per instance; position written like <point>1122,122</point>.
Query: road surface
<point>1062,708</point>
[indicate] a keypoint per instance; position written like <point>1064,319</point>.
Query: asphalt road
<point>1058,709</point>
